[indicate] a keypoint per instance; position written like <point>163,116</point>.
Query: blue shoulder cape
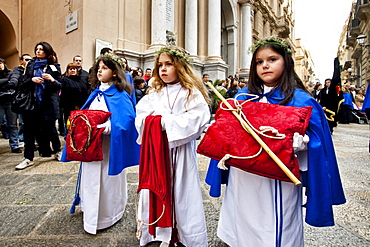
<point>124,151</point>
<point>322,180</point>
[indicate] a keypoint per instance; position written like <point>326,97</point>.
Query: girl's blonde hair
<point>187,77</point>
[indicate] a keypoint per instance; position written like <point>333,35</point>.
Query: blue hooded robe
<point>322,180</point>
<point>124,151</point>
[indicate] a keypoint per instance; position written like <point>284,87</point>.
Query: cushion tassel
<point>76,202</point>
<point>77,199</point>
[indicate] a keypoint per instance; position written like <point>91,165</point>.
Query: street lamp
<point>361,39</point>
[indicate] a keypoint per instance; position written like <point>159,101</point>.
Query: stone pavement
<point>35,202</point>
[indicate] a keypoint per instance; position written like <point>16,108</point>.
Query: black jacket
<point>74,92</point>
<point>49,107</point>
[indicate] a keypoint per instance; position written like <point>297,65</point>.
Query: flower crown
<point>111,56</point>
<point>177,53</point>
<point>271,40</point>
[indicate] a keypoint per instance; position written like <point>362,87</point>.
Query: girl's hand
<point>47,77</point>
<point>300,142</point>
<point>37,80</point>
<point>106,126</point>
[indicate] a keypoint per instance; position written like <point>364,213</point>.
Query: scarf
<point>38,70</point>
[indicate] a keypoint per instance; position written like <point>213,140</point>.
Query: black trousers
<point>43,131</point>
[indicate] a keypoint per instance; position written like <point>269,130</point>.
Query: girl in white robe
<point>103,185</point>
<point>261,211</point>
<point>179,96</point>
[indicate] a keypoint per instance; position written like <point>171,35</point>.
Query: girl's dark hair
<point>138,80</point>
<point>288,80</point>
<point>50,54</point>
<point>119,81</point>
<point>317,85</point>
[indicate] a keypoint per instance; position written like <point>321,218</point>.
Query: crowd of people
<point>156,118</point>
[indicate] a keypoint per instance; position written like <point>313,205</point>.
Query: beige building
<point>354,45</point>
<point>304,65</point>
<point>217,33</point>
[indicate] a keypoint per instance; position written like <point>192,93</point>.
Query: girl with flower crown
<point>102,185</point>
<point>261,211</point>
<point>180,99</point>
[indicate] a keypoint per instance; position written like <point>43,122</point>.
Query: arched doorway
<point>8,49</point>
<point>229,34</point>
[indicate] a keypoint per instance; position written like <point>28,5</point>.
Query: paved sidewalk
<point>35,202</point>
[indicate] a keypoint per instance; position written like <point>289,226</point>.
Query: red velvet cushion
<point>87,144</point>
<point>226,136</point>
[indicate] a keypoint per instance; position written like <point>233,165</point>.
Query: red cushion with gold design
<point>226,136</point>
<point>84,140</point>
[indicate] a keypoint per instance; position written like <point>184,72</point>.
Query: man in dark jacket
<point>13,81</point>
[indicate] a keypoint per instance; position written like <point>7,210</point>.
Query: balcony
<point>362,10</point>
<point>283,27</point>
<point>354,28</point>
<point>350,41</point>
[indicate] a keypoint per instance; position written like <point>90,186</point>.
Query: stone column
<point>191,28</point>
<point>158,24</point>
<point>246,36</point>
<point>214,31</point>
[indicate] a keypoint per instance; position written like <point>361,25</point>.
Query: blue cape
<point>366,104</point>
<point>124,151</point>
<point>322,180</point>
<point>131,82</point>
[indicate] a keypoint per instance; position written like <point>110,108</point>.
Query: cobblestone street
<point>35,202</point>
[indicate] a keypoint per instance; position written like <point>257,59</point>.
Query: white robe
<point>259,211</point>
<point>183,127</point>
<point>103,197</point>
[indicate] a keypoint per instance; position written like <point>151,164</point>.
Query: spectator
<point>42,79</point>
<point>148,75</point>
<point>316,91</point>
<point>233,88</point>
<point>74,91</point>
<point>345,112</point>
<point>14,79</point>
<point>139,88</point>
<point>7,90</point>
<point>84,75</point>
<point>359,98</point>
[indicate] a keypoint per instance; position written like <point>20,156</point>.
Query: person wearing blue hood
<point>261,211</point>
<point>102,185</point>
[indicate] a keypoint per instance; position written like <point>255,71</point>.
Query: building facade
<point>354,45</point>
<point>217,33</point>
<point>304,65</point>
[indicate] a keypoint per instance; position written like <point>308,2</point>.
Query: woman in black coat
<point>74,91</point>
<point>42,79</point>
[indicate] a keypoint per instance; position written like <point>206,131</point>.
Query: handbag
<point>226,140</point>
<point>23,101</point>
<point>84,140</point>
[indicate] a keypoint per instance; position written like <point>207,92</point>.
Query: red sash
<point>155,172</point>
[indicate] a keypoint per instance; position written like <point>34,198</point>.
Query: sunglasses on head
<point>27,59</point>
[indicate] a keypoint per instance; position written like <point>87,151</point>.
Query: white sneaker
<point>58,155</point>
<point>25,163</point>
